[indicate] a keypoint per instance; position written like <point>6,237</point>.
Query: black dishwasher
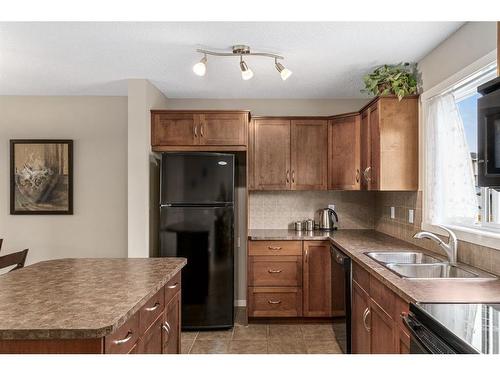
<point>341,298</point>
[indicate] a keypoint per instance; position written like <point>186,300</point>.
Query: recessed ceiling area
<point>328,59</point>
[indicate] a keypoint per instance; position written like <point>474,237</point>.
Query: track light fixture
<point>284,72</point>
<point>246,72</point>
<point>200,68</point>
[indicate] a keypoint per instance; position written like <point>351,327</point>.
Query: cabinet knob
<point>271,302</point>
<point>156,305</point>
<point>274,271</point>
<point>173,286</point>
<point>365,316</point>
<point>166,327</point>
<point>125,339</point>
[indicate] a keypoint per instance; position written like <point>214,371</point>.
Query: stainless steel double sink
<point>417,265</point>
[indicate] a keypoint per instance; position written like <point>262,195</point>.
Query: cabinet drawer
<point>122,341</point>
<point>151,310</point>
<point>275,271</point>
<point>172,287</point>
<point>275,302</point>
<point>361,276</point>
<point>275,248</point>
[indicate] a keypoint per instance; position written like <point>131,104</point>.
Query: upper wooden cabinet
<point>309,154</point>
<point>288,154</point>
<point>344,152</point>
<point>199,128</point>
<point>389,144</point>
<point>270,154</point>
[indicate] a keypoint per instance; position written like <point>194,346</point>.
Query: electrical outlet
<point>411,216</point>
<point>393,212</point>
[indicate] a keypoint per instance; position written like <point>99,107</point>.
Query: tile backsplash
<point>482,257</point>
<point>360,210</point>
<point>280,209</point>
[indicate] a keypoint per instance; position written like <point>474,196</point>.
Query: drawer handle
<point>274,271</point>
<point>157,304</point>
<point>173,286</point>
<point>271,302</point>
<point>124,340</point>
<point>274,247</point>
<point>195,130</point>
<point>166,327</point>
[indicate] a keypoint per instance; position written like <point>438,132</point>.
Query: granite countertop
<point>78,298</point>
<point>356,242</point>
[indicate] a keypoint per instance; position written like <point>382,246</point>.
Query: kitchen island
<point>92,306</point>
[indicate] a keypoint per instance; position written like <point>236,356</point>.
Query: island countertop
<point>78,298</point>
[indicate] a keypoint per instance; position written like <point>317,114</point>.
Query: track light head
<point>284,72</point>
<point>200,68</point>
<point>246,72</point>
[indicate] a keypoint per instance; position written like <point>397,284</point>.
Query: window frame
<point>484,235</point>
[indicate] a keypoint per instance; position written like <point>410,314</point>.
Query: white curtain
<point>450,187</point>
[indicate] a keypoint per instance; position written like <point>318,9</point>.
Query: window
<point>451,193</point>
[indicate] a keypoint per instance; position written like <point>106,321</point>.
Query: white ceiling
<point>328,59</point>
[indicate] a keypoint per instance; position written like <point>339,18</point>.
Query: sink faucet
<point>449,248</point>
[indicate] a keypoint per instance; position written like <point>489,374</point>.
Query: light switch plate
<point>411,216</point>
<point>393,212</point>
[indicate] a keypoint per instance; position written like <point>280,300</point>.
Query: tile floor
<point>263,339</point>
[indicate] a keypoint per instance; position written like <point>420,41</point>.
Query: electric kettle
<point>327,219</point>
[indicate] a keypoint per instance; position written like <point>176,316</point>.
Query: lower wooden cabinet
<point>171,327</point>
<point>376,317</point>
<point>360,333</point>
<point>289,279</point>
<point>150,342</point>
<point>317,282</point>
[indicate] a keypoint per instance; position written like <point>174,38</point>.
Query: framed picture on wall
<point>41,177</point>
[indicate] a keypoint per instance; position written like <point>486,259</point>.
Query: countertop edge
<point>88,333</point>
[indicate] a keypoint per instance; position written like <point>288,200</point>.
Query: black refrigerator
<point>197,222</point>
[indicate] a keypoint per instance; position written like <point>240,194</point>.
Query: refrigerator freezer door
<point>203,235</point>
<point>197,178</point>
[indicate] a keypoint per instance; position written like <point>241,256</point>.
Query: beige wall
<point>469,43</point>
<point>274,107</point>
<point>98,126</point>
<point>142,169</point>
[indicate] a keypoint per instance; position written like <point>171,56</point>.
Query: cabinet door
<point>271,154</point>
<point>317,283</point>
<point>360,333</point>
<point>171,329</point>
<point>223,129</point>
<point>365,154</point>
<point>344,153</point>
<point>309,151</point>
<point>374,174</point>
<point>382,331</point>
<point>174,129</point>
<point>151,341</point>
<point>403,344</point>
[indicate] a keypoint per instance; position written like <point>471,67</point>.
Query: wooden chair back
<point>18,259</point>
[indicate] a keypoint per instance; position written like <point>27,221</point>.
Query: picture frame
<point>41,177</point>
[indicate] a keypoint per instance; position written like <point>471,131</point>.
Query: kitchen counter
<point>356,242</point>
<point>78,298</point>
